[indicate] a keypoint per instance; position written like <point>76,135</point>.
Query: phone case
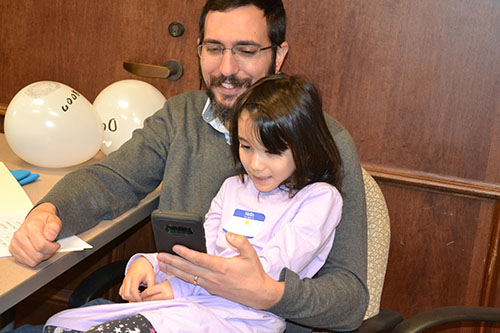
<point>172,228</point>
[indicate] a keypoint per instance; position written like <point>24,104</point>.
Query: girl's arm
<point>165,286</point>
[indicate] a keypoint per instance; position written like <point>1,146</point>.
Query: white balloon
<point>123,107</point>
<point>51,125</point>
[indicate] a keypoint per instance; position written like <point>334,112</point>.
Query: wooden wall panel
<point>415,82</point>
<point>441,251</point>
<point>3,110</point>
<point>439,246</point>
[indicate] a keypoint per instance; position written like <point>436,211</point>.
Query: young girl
<point>284,200</point>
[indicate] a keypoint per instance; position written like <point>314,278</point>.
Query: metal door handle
<point>172,70</point>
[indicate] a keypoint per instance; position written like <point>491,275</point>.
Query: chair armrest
<point>95,283</point>
<point>449,314</point>
<point>384,321</point>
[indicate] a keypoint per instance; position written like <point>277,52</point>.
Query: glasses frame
<point>199,49</point>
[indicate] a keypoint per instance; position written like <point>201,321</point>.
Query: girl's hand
<point>140,272</point>
<point>161,291</point>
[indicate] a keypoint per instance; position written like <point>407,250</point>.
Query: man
<point>185,146</point>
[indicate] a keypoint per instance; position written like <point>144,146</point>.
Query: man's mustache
<point>216,81</point>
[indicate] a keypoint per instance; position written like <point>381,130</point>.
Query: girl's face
<point>267,171</point>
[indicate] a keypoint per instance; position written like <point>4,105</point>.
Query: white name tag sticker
<point>245,222</point>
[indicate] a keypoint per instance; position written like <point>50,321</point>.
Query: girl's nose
<point>256,162</point>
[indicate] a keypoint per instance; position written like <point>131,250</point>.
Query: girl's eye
<point>273,153</point>
<point>242,146</point>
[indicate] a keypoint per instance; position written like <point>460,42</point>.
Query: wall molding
<point>434,181</point>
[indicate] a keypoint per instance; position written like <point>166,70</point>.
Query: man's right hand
<point>34,241</point>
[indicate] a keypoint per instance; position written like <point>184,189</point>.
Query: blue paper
<point>24,176</point>
<point>31,178</point>
<point>20,173</point>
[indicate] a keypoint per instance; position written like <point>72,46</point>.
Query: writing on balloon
<point>112,125</point>
<point>69,100</point>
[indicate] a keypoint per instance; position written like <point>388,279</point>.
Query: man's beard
<point>222,111</point>
<point>219,110</point>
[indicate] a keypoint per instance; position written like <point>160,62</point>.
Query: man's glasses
<point>240,52</point>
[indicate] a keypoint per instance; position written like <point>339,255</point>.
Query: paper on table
<point>13,199</point>
<point>73,243</point>
<point>14,206</point>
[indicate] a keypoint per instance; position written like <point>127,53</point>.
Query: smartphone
<point>172,228</point>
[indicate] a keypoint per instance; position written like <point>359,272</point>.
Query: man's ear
<point>280,55</point>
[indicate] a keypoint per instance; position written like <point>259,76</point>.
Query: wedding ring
<point>195,280</point>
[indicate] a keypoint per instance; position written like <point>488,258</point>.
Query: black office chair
<point>97,282</point>
<point>376,319</point>
<point>449,314</point>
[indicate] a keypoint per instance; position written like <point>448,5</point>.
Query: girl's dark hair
<point>274,12</point>
<point>287,113</point>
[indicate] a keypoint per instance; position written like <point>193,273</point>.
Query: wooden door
<point>84,44</point>
<point>417,85</point>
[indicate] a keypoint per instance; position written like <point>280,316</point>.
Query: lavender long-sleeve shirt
<point>296,233</point>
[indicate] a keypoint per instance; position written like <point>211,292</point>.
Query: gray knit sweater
<point>192,159</point>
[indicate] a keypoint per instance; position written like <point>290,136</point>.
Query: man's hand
<point>240,278</point>
<point>34,241</point>
<point>140,272</point>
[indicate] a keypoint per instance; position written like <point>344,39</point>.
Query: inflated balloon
<point>52,125</point>
<point>123,107</point>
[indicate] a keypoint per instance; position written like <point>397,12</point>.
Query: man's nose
<point>228,65</point>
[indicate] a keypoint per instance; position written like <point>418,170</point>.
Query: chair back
<point>378,241</point>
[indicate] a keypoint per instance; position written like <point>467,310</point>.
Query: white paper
<point>73,243</point>
<point>13,199</point>
<point>14,206</point>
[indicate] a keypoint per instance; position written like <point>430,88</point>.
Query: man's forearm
<point>337,300</point>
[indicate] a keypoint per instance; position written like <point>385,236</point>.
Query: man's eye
<point>247,51</point>
<point>213,49</point>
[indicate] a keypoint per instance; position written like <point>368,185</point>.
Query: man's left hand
<point>240,278</point>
